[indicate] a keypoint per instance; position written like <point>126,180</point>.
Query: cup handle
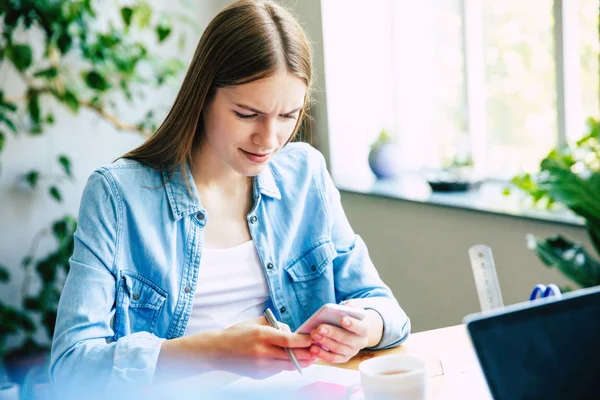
<point>351,391</point>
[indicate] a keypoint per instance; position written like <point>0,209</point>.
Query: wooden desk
<point>431,345</point>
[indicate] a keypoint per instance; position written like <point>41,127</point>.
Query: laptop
<point>543,349</point>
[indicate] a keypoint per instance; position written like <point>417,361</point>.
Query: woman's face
<point>245,125</point>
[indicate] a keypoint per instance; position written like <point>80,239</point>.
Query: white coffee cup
<point>393,376</point>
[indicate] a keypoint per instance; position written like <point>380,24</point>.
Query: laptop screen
<point>547,351</point>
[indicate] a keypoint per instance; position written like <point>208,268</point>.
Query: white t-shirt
<point>231,288</point>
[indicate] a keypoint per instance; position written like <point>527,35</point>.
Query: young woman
<point>184,241</point>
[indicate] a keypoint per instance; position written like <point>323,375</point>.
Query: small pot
<point>384,161</point>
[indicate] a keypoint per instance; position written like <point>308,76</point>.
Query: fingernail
<point>314,350</point>
<point>346,322</point>
<point>316,336</point>
<point>323,331</point>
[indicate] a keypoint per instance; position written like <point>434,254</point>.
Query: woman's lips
<point>256,158</point>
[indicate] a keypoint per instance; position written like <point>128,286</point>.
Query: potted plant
<point>384,156</point>
<point>83,65</point>
<point>570,176</point>
<point>456,175</point>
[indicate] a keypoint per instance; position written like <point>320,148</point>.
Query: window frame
<point>569,107</point>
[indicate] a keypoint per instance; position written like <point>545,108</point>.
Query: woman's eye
<point>289,116</point>
<point>245,116</point>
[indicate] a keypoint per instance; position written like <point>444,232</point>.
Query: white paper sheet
<point>290,381</point>
<point>464,376</point>
<point>222,385</point>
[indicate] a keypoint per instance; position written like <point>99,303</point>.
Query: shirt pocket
<point>139,302</point>
<point>311,276</point>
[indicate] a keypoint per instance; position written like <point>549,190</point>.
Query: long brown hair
<point>247,41</point>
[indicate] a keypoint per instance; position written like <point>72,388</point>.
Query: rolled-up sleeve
<point>354,273</point>
<point>85,358</point>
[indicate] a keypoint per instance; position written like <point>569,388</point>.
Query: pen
<point>273,322</point>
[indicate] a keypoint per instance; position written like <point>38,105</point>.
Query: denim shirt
<point>137,251</point>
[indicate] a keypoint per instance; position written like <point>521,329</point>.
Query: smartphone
<point>330,314</point>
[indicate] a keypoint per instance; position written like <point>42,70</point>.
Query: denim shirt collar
<point>265,182</point>
<point>183,204</point>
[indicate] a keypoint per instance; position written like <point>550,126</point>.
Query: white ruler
<point>486,279</point>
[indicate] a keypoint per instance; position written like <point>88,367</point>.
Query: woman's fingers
<point>336,347</point>
<point>304,354</point>
<point>284,327</point>
<point>283,339</point>
<point>279,353</point>
<point>355,326</point>
<point>340,335</point>
<point>327,355</point>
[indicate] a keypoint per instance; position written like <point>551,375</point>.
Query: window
<point>500,82</point>
<point>589,50</point>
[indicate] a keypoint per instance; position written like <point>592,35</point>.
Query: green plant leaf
<point>126,14</point>
<point>12,319</point>
<point>4,274</point>
<point>143,14</point>
<point>48,73</point>
<point>59,229</point>
<point>49,297</point>
<point>26,262</point>
<point>32,303</point>
<point>27,323</point>
<point>5,104</point>
<point>32,178</point>
<point>593,229</point>
<point>64,42</point>
<point>47,270</point>
<point>96,103</point>
<point>49,322</point>
<point>33,106</point>
<point>70,100</point>
<point>8,123</point>
<point>181,42</point>
<point>2,139</point>
<point>582,196</point>
<point>570,258</point>
<point>66,164</point>
<point>593,126</point>
<point>163,30</point>
<point>383,138</point>
<point>21,56</point>
<point>55,193</point>
<point>95,80</point>
<point>8,106</point>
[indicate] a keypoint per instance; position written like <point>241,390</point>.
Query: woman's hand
<point>337,345</point>
<point>254,348</point>
<point>251,348</point>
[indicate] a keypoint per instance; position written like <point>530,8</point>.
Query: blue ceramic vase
<point>384,161</point>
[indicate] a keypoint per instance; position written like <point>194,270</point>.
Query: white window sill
<point>487,198</point>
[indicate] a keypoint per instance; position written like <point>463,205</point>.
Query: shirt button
<point>200,216</point>
<point>187,289</point>
<point>313,268</point>
<point>253,219</point>
<point>282,309</point>
<point>136,296</point>
<point>269,266</point>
